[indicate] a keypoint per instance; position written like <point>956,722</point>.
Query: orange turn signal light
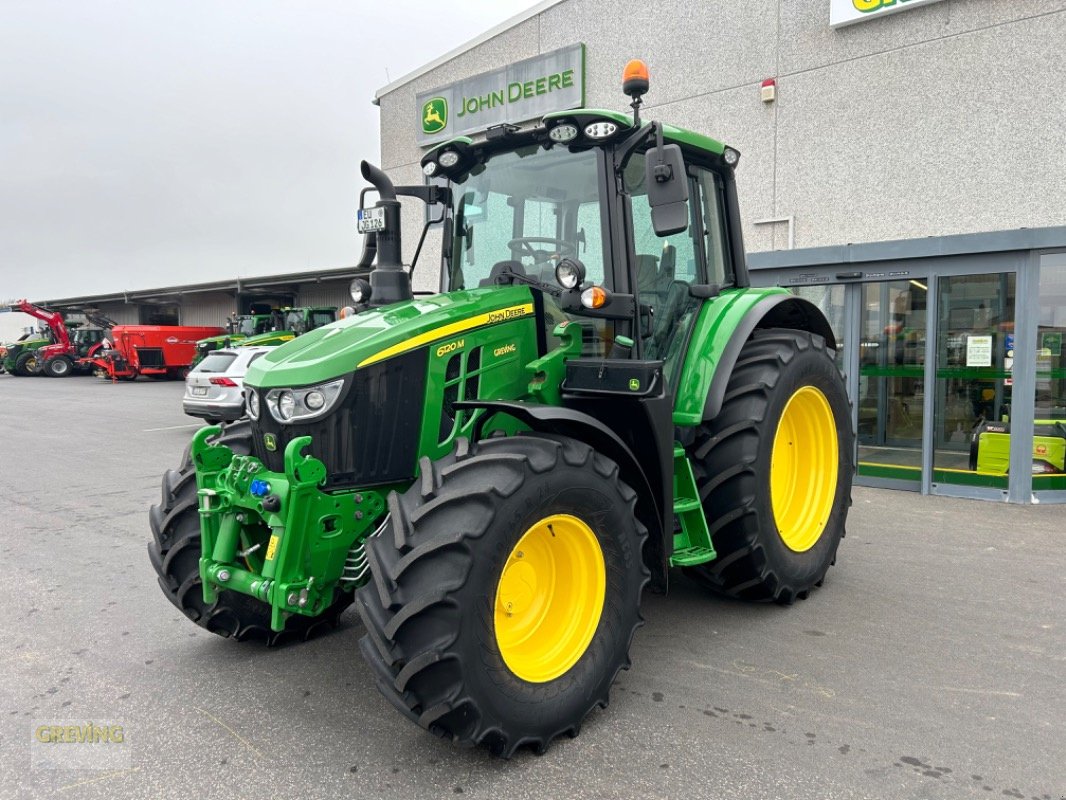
<point>594,297</point>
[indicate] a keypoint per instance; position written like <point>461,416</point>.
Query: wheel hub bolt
<point>292,598</point>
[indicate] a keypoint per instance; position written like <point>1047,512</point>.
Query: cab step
<point>692,544</point>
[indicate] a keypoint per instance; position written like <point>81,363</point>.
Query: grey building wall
<point>120,312</point>
<point>326,293</point>
<point>207,308</point>
<point>944,119</point>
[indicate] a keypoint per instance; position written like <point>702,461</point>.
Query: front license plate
<point>371,220</point>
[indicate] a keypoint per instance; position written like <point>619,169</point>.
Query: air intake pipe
<point>388,281</point>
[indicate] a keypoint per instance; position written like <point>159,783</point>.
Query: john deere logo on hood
<point>434,115</point>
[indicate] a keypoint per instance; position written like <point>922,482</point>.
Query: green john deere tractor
<point>494,474</point>
<point>266,330</point>
<point>20,357</point>
<point>239,329</point>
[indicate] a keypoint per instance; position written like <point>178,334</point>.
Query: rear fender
<point>725,324</point>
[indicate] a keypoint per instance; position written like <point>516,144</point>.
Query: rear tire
<point>175,554</point>
<point>58,367</point>
<point>776,511</point>
<point>444,638</point>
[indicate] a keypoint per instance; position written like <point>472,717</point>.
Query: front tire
<point>58,367</point>
<point>774,470</point>
<point>175,554</point>
<point>505,591</point>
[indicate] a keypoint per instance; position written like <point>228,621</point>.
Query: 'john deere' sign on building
<point>845,12</point>
<point>524,90</point>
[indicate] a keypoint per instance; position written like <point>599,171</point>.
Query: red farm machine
<point>158,351</point>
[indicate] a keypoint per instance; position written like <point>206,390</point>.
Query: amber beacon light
<point>635,84</point>
<point>635,78</point>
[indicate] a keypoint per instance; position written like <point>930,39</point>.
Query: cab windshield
<point>322,317</point>
<point>526,210</point>
<point>246,326</point>
<point>87,336</point>
<point>295,322</point>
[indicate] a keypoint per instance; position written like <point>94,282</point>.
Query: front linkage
<point>278,538</point>
<point>275,536</point>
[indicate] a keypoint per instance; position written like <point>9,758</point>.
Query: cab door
<point>666,268</point>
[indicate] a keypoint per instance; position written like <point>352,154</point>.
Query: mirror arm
<point>514,277</point>
<point>425,230</point>
<point>627,147</point>
<point>430,194</point>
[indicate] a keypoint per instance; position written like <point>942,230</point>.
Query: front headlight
<point>251,402</point>
<point>296,405</point>
<point>286,404</point>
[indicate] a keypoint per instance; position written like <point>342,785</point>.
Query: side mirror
<point>667,186</point>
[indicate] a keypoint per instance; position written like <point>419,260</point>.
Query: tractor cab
<point>84,339</point>
<point>246,325</point>
<point>302,320</point>
<point>574,192</point>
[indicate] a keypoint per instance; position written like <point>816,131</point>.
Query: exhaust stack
<point>388,281</point>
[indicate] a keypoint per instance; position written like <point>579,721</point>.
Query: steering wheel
<point>524,244</point>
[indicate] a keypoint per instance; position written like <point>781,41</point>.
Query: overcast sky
<point>153,142</point>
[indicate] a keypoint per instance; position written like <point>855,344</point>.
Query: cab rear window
<point>216,362</point>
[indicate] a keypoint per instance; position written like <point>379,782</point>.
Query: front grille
<point>150,357</point>
<point>371,438</point>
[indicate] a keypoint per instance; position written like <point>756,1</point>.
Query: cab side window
<point>661,261</point>
<point>665,269</point>
<point>712,222</point>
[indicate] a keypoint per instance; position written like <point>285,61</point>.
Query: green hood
<point>343,346</point>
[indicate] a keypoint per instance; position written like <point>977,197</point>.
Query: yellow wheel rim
<point>549,598</point>
<point>803,469</point>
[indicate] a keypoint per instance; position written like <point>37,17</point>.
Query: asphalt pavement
<point>930,665</point>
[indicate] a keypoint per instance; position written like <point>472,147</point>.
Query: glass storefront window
<point>830,299</point>
<point>975,349</point>
<point>942,410</point>
<point>891,391</point>
<point>1049,420</point>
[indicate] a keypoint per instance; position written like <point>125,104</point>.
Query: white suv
<point>214,389</point>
